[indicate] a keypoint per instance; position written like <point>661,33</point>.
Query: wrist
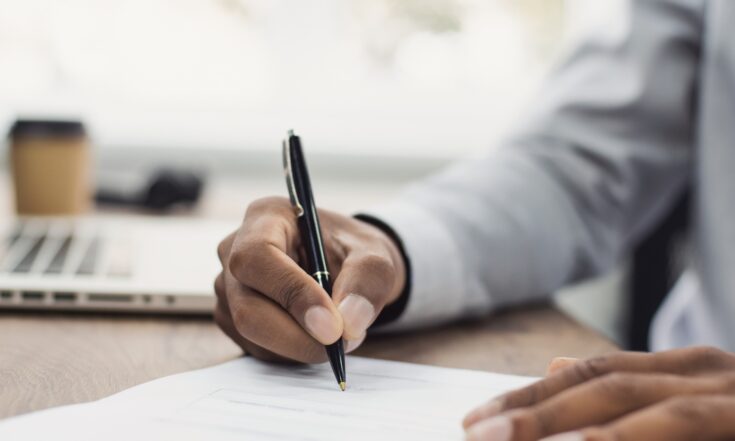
<point>399,297</point>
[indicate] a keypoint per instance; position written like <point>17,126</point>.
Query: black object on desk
<point>159,190</point>
<point>302,199</point>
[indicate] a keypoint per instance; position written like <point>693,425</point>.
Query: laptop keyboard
<point>63,248</point>
<point>27,261</point>
<point>57,262</point>
<point>93,264</point>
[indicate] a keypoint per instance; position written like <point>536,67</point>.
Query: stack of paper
<point>248,400</point>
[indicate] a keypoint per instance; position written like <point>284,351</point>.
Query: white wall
<point>419,77</point>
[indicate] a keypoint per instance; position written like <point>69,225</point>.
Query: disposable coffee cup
<point>51,167</point>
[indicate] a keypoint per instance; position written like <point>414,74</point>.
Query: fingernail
<point>321,324</point>
<point>569,436</point>
<point>357,313</point>
<point>496,429</point>
<point>560,363</point>
<point>353,344</point>
<point>564,360</point>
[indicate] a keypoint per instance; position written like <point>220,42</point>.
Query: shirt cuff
<point>392,311</point>
<point>436,284</point>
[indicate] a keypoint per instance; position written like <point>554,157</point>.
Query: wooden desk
<point>53,359</point>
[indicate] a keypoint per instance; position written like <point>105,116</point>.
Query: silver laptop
<point>115,263</point>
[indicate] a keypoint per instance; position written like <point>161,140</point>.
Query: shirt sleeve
<point>602,153</point>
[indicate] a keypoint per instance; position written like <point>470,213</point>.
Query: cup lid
<point>42,128</point>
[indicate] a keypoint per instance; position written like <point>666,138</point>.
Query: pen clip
<point>288,172</point>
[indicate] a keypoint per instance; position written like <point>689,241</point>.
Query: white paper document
<point>249,400</point>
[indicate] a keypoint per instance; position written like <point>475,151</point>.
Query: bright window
<point>387,76</point>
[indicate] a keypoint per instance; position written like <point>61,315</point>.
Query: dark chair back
<point>657,262</point>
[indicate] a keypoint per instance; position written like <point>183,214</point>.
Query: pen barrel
<point>313,246</point>
<point>336,356</point>
<point>299,185</point>
<point>316,265</point>
<point>323,279</point>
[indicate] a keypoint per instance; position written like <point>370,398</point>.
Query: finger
<point>687,361</point>
<point>223,318</point>
<point>224,321</point>
<point>260,261</point>
<point>708,418</point>
<point>219,286</point>
<point>680,361</point>
<point>264,323</point>
<point>570,376</point>
<point>351,345</point>
<point>675,362</point>
<point>361,289</point>
<point>700,360</point>
<point>558,364</point>
<point>596,402</point>
<point>224,247</point>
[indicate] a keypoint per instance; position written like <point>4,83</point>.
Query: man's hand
<point>681,395</point>
<point>274,310</point>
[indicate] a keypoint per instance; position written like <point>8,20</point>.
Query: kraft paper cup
<point>51,167</point>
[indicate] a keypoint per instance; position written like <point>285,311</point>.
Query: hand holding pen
<point>275,310</point>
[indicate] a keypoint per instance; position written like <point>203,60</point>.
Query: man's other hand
<point>680,395</point>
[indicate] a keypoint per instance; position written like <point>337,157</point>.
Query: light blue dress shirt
<point>630,118</point>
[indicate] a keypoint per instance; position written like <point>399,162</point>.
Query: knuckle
<point>243,262</point>
<point>619,385</point>
<point>289,291</point>
<point>219,285</point>
<point>264,205</point>
<point>707,351</point>
<point>591,368</point>
<point>374,263</point>
<point>537,392</point>
<point>526,396</point>
<point>531,424</point>
<point>693,410</point>
<point>223,248</point>
<point>259,205</point>
<point>708,356</point>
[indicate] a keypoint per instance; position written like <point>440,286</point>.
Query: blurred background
<point>382,91</point>
<point>417,78</point>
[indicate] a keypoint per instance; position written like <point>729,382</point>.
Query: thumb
<point>558,364</point>
<point>363,286</point>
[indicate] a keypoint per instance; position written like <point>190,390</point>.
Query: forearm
<point>604,151</point>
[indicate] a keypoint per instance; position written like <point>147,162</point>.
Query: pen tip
<point>342,385</point>
<point>290,132</point>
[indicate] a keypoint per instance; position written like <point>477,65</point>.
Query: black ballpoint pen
<point>302,199</point>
